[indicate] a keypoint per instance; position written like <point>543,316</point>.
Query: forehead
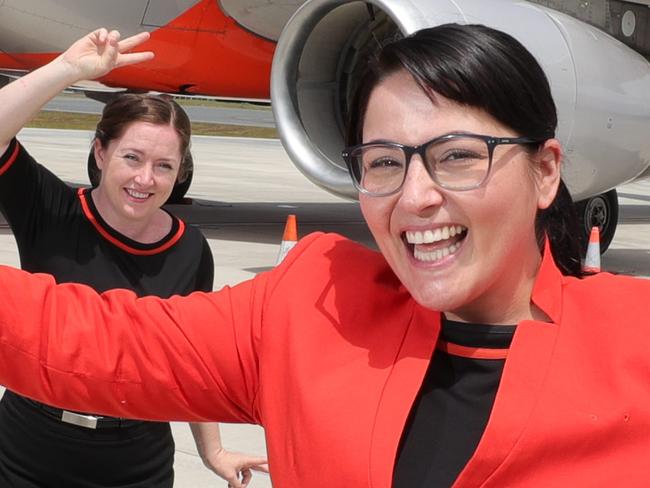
<point>400,111</point>
<point>145,135</point>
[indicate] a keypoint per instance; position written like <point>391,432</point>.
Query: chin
<point>434,299</point>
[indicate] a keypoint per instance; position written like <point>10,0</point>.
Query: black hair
<point>481,67</point>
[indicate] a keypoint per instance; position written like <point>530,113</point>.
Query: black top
<point>59,231</point>
<point>452,408</point>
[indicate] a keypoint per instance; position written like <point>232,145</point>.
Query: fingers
<point>254,461</point>
<point>234,483</point>
<point>246,477</point>
<point>125,58</point>
<point>133,41</point>
<point>99,36</point>
<point>133,58</point>
<point>261,467</point>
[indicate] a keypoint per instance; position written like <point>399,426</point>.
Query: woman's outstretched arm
<point>188,358</point>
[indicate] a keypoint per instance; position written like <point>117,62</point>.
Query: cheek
<point>169,179</point>
<point>377,213</point>
<point>110,169</point>
<point>516,190</point>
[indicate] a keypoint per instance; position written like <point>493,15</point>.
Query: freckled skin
<point>490,278</point>
<point>145,159</point>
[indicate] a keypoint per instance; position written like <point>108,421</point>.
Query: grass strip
<point>76,121</point>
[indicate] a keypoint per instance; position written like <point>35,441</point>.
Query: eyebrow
<point>130,149</point>
<point>452,132</point>
<point>381,141</point>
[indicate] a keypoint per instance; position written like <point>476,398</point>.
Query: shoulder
<point>607,283</point>
<point>332,258</point>
<point>321,248</point>
<point>187,235</point>
<point>608,296</point>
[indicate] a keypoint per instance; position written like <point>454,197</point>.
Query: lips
<point>432,245</point>
<point>137,194</point>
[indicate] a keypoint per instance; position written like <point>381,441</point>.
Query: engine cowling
<point>601,87</point>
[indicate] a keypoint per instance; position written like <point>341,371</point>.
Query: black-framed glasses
<point>455,161</point>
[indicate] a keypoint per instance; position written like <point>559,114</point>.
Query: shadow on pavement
<point>264,222</point>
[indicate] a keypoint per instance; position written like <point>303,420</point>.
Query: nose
<point>419,191</point>
<point>144,175</point>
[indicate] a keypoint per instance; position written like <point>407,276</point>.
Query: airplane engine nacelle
<point>601,87</point>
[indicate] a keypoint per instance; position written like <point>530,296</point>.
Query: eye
<point>131,157</point>
<point>385,162</point>
<point>165,167</point>
<point>459,155</point>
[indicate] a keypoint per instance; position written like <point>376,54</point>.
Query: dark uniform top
<point>59,231</point>
<point>452,408</point>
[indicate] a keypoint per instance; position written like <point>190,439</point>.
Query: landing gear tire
<point>602,211</point>
<point>178,192</point>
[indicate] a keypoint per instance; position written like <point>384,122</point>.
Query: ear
<point>547,174</point>
<point>100,154</point>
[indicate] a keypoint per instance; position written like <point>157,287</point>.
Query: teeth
<point>136,194</point>
<point>429,236</point>
<point>436,254</point>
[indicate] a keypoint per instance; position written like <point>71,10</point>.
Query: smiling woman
<point>475,153</point>
<point>471,351</point>
<point>140,148</point>
<point>115,235</point>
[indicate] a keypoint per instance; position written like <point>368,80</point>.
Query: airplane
<point>306,56</point>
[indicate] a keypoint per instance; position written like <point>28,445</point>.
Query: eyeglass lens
<point>455,163</point>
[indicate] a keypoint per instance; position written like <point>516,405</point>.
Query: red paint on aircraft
<point>202,51</point>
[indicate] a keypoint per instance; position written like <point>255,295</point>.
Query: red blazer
<point>327,352</point>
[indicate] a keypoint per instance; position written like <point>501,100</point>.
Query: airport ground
<point>242,191</point>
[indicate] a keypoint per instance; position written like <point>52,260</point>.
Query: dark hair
<point>156,109</point>
<point>481,67</point>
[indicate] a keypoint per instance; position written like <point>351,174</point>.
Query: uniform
<point>328,352</point>
<point>59,231</point>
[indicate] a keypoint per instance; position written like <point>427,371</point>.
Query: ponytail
<point>560,225</point>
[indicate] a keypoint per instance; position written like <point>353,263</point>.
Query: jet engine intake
<point>601,87</point>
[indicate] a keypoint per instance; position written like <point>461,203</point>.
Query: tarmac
<point>242,191</point>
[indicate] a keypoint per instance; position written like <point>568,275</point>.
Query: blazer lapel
<point>523,378</point>
<point>402,386</point>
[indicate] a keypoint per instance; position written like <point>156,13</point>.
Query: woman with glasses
<point>469,351</point>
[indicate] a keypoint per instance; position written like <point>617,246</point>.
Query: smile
<point>435,244</point>
<point>137,194</point>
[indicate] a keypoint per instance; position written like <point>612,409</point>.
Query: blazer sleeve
<point>192,358</point>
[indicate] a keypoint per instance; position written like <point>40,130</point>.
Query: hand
<point>101,51</point>
<point>236,468</point>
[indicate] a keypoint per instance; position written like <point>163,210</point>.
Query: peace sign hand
<point>101,51</point>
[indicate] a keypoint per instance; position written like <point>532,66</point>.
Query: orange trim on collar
<point>11,159</point>
<point>471,352</point>
<point>132,250</point>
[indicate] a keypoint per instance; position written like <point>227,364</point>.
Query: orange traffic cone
<point>592,259</point>
<point>289,239</point>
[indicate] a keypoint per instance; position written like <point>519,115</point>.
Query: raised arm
<point>92,56</point>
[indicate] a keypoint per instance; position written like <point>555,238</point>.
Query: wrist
<point>64,72</point>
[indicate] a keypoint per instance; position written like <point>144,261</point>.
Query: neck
<point>509,300</point>
<point>144,231</point>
